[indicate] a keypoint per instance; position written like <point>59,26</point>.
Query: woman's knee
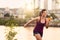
<point>39,39</point>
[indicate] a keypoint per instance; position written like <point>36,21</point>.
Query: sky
<point>11,3</point>
<point>24,4</point>
<point>15,3</point>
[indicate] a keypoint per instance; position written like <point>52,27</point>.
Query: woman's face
<point>44,13</point>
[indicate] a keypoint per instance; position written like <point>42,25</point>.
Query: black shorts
<point>37,33</point>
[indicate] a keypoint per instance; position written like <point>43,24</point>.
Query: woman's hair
<point>41,12</point>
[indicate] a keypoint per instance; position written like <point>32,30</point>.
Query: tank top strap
<point>40,19</point>
<point>45,20</point>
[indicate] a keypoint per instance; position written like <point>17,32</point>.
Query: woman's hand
<point>25,25</point>
<point>46,27</point>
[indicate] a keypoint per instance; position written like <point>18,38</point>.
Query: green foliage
<point>53,16</point>
<point>11,35</point>
<point>48,16</point>
<point>36,12</point>
<point>11,22</point>
<point>28,14</point>
<point>22,21</point>
<point>2,21</point>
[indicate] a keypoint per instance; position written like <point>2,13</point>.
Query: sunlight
<point>26,4</point>
<point>41,4</point>
<point>27,33</point>
<point>58,4</point>
<point>2,33</point>
<point>16,4</point>
<point>29,4</point>
<point>49,4</point>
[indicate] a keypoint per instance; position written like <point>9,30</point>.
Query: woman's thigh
<point>38,36</point>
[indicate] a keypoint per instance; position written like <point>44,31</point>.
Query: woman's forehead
<point>45,11</point>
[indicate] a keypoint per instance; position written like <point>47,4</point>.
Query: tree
<point>36,12</point>
<point>53,16</point>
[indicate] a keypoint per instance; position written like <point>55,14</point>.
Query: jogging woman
<point>41,21</point>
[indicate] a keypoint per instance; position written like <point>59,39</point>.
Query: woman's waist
<point>35,30</point>
<point>38,25</point>
<point>38,29</point>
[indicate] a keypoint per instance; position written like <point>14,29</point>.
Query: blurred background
<point>15,13</point>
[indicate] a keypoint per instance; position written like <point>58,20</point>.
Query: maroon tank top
<point>39,26</point>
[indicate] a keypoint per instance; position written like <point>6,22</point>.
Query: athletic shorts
<point>37,33</point>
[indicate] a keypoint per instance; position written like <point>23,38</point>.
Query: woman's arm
<point>34,19</point>
<point>47,22</point>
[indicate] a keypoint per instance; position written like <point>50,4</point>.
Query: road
<point>27,33</point>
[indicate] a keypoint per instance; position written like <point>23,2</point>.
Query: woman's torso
<point>39,26</point>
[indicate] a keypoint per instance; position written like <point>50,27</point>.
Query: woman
<point>41,21</point>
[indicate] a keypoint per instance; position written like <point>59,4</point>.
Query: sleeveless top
<point>39,26</point>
